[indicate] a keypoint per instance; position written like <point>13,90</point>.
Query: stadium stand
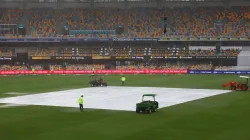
<point>42,22</point>
<point>43,51</point>
<point>120,51</point>
<point>142,22</point>
<point>136,66</point>
<point>56,67</point>
<point>85,66</point>
<point>37,67</point>
<point>230,52</point>
<point>223,67</point>
<point>184,22</point>
<point>7,52</point>
<point>13,67</point>
<point>200,67</point>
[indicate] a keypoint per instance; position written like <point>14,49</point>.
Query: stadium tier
<point>138,66</point>
<point>7,52</point>
<point>127,52</point>
<point>134,66</point>
<point>137,22</point>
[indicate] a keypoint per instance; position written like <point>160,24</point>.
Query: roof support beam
<point>226,3</point>
<point>92,4</point>
<point>193,3</point>
<point>126,3</point>
<point>159,3</point>
<point>25,4</point>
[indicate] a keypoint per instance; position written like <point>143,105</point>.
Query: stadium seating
<point>140,22</point>
<point>202,52</point>
<point>42,22</point>
<point>162,66</point>
<point>169,52</point>
<point>36,67</point>
<point>200,67</point>
<point>85,66</point>
<point>123,52</point>
<point>13,67</point>
<point>43,52</point>
<point>89,19</point>
<point>222,67</point>
<point>197,52</point>
<point>136,66</point>
<point>230,52</point>
<point>56,67</point>
<point>4,52</point>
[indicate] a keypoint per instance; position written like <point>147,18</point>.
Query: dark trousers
<point>123,82</point>
<point>81,107</point>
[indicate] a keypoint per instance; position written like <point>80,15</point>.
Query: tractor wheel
<point>149,111</point>
<point>233,88</point>
<point>153,110</point>
<point>243,87</point>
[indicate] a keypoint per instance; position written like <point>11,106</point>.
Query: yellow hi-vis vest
<point>123,79</point>
<point>80,100</point>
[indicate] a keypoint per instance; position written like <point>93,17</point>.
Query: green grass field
<point>222,117</point>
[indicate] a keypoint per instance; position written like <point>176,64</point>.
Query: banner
<point>123,39</point>
<point>44,72</point>
<point>217,72</point>
<point>122,57</point>
<point>101,57</point>
<point>146,39</point>
<point>74,32</point>
<point>126,57</point>
<point>68,57</point>
<point>5,58</point>
<point>137,57</point>
<point>40,57</point>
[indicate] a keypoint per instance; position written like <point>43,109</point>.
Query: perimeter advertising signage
<point>5,58</point>
<point>48,72</point>
<point>217,72</point>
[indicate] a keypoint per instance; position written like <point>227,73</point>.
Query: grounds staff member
<point>80,101</point>
<point>123,79</point>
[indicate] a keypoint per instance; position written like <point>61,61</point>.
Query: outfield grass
<point>222,117</point>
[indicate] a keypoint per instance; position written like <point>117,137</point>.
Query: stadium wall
<point>243,58</point>
<point>246,48</point>
<point>21,50</point>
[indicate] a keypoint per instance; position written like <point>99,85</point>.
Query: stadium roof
<point>120,0</point>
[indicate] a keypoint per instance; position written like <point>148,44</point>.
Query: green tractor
<point>95,82</point>
<point>147,106</point>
